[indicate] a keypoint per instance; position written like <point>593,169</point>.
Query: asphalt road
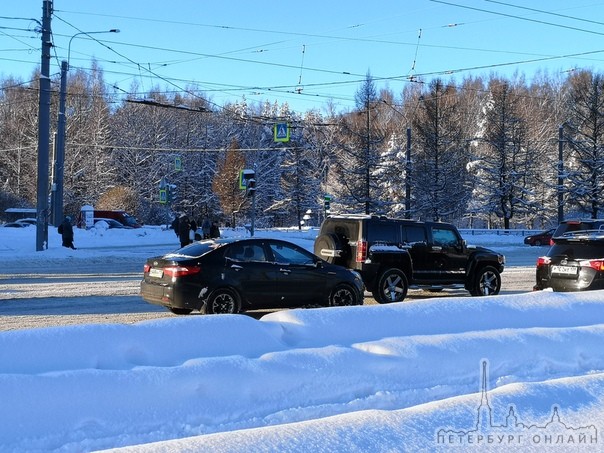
<point>46,299</point>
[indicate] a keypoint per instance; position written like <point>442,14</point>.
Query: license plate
<point>157,273</point>
<point>564,270</point>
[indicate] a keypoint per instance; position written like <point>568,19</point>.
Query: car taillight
<point>181,271</point>
<point>146,268</point>
<point>597,264</point>
<point>543,260</point>
<point>361,251</point>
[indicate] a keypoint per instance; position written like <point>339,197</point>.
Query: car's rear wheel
<point>180,311</point>
<point>391,287</point>
<point>487,282</point>
<point>344,295</point>
<point>223,301</point>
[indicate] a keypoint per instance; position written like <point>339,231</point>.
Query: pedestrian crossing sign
<point>281,132</point>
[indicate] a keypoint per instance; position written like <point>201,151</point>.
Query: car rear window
<point>576,250</point>
<point>197,248</point>
<point>568,227</point>
<point>348,230</point>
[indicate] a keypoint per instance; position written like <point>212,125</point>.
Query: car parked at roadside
<point>575,262</point>
<point>109,224</point>
<point>541,238</point>
<point>21,223</point>
<point>227,276</point>
<point>393,255</point>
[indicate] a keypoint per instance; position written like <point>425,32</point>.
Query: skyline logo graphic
<point>512,432</point>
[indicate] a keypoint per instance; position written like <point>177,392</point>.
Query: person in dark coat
<point>183,230</point>
<point>66,231</point>
<point>214,231</point>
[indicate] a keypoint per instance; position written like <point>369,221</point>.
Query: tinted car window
<point>444,237</point>
<point>383,232</point>
<point>246,252</point>
<point>570,226</point>
<point>575,250</point>
<point>196,249</point>
<point>347,230</point>
<point>413,234</point>
<point>287,255</point>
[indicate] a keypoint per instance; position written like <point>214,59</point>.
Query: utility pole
<point>44,132</point>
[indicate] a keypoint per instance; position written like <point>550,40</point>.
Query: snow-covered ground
<point>521,371</point>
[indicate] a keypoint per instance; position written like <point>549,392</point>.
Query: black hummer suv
<point>392,255</point>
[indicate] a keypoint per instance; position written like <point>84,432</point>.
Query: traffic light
<point>327,203</point>
<point>250,188</point>
<point>247,181</point>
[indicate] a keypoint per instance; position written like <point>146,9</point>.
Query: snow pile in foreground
<point>400,377</point>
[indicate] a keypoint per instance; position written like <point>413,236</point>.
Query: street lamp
<point>57,186</point>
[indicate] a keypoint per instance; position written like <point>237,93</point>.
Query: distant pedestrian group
<point>186,229</point>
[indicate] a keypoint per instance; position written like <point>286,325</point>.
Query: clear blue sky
<point>305,53</point>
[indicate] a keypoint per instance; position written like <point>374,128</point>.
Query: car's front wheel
<point>487,282</point>
<point>223,301</point>
<point>391,287</point>
<point>344,295</point>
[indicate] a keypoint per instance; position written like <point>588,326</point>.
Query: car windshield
<point>576,250</point>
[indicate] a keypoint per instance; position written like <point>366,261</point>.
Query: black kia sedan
<point>574,263</point>
<point>226,276</point>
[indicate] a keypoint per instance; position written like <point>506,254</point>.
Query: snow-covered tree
<point>585,139</point>
<point>439,158</point>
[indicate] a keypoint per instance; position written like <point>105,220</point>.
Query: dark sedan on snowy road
<point>542,238</point>
<point>226,276</point>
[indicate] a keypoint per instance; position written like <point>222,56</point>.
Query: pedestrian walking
<point>66,231</point>
<point>214,231</point>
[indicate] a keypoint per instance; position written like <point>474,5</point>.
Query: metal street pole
<point>57,187</point>
<point>43,132</point>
